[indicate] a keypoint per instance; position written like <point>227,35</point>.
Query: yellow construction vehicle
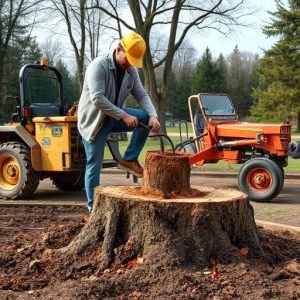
<point>42,141</point>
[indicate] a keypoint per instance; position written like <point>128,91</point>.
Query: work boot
<point>131,166</point>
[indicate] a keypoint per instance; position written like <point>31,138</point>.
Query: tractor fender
<point>19,133</point>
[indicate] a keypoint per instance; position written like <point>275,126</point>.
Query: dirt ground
<point>28,270</point>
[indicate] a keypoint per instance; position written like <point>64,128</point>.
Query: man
<point>108,81</point>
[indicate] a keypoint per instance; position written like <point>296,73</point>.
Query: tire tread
<point>31,181</point>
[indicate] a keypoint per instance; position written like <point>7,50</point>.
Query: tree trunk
<point>2,81</point>
<point>190,226</point>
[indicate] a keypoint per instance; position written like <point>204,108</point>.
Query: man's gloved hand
<point>154,123</point>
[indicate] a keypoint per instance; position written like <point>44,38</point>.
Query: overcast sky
<point>248,39</point>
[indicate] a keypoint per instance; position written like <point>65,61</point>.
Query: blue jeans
<point>95,151</point>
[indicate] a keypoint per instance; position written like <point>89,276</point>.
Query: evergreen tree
<point>205,76</point>
<point>235,79</point>
<point>241,80</point>
<point>210,75</point>
<point>15,29</point>
<point>70,83</point>
<point>23,52</point>
<point>221,74</point>
<point>278,93</point>
<point>183,91</point>
<point>173,93</point>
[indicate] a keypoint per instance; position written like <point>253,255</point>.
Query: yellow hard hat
<point>134,47</point>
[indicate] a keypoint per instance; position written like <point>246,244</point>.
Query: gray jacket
<point>98,95</point>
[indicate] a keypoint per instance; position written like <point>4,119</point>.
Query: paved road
<point>284,209</point>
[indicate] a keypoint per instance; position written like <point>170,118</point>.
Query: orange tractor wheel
<point>17,178</point>
<point>261,179</point>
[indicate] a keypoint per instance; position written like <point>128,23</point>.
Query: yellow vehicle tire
<point>17,178</point>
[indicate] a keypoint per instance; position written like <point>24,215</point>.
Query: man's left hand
<point>154,123</point>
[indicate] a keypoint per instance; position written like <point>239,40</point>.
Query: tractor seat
<point>44,110</point>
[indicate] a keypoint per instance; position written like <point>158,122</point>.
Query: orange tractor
<point>263,149</point>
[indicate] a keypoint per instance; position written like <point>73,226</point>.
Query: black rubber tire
<point>24,181</point>
<point>294,149</point>
<point>68,181</point>
<point>272,173</point>
<point>282,174</point>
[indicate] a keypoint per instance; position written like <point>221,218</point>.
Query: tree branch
<point>112,16</point>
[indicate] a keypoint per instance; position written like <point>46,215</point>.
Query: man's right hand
<point>130,120</point>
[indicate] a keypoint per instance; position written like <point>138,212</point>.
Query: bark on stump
<point>185,225</point>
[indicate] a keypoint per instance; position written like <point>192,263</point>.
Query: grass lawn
<point>154,144</point>
<point>183,129</point>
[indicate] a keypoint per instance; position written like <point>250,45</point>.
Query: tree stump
<point>167,174</point>
<point>186,225</point>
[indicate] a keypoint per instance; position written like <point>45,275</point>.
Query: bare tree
<point>176,19</point>
<point>93,30</point>
<point>185,58</point>
<point>72,13</point>
<point>17,18</point>
<point>84,29</point>
<point>52,50</point>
